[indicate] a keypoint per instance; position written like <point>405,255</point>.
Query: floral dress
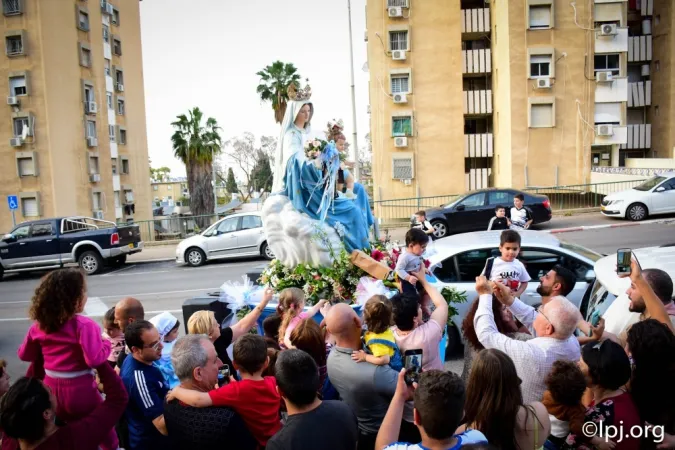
<point>619,412</point>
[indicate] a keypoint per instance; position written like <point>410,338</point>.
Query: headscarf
<point>282,154</point>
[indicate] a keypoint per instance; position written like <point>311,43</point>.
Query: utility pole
<point>357,168</point>
<point>215,189</point>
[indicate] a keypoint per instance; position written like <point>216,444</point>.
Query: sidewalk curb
<point>145,261</point>
<point>613,225</point>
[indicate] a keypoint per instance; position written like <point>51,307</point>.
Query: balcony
<point>478,145</point>
<point>639,94</point>
<point>639,137</point>
<point>477,179</point>
<point>116,183</point>
<point>639,48</point>
<point>612,92</point>
<point>476,20</point>
<point>612,44</point>
<point>478,102</point>
<point>476,62</point>
<point>647,7</point>
<point>619,136</point>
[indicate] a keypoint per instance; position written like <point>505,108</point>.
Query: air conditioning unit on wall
<point>398,55</point>
<point>608,29</point>
<point>400,141</point>
<point>98,214</point>
<point>396,11</point>
<point>92,142</point>
<point>13,101</point>
<point>544,83</point>
<point>603,77</point>
<point>604,130</point>
<point>95,177</point>
<point>400,98</point>
<point>16,142</point>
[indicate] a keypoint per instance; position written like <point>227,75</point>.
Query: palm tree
<point>196,145</point>
<point>274,82</point>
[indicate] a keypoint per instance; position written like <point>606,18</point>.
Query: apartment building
<point>468,94</point>
<point>73,135</point>
<point>170,191</point>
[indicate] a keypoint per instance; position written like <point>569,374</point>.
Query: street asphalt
<point>163,286</point>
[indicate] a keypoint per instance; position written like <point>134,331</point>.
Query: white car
<point>457,260</point>
<point>654,196</point>
<point>608,294</point>
<point>234,236</point>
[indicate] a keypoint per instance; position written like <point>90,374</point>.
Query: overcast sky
<point>206,53</point>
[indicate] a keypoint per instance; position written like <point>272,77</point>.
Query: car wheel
<point>440,228</point>
<point>266,251</point>
<point>636,212</point>
<point>195,257</point>
<point>90,261</point>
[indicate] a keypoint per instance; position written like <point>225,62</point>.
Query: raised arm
<point>525,313</point>
<point>248,321</point>
<point>391,425</point>
<point>311,312</point>
<point>440,314</point>
<point>653,304</point>
<point>190,397</point>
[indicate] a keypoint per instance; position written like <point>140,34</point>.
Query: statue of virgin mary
<point>305,223</point>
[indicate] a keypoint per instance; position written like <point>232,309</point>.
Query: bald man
<point>127,310</point>
<point>365,387</point>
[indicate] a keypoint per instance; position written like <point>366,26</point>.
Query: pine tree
<point>231,183</point>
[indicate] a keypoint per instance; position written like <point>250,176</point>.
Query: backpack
<point>396,361</point>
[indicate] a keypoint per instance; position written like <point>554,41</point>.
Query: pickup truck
<point>53,243</point>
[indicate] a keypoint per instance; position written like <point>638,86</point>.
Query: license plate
<point>132,245</point>
<point>602,208</point>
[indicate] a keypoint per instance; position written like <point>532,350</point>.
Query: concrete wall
<point>651,163</point>
<point>663,93</point>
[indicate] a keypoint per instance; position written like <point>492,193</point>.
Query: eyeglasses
<point>539,310</point>
<point>154,346</point>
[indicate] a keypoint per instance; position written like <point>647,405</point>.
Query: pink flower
<point>317,277</point>
<point>427,263</point>
<point>377,255</point>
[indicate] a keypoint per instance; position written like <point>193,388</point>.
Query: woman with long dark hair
<point>309,337</point>
<point>506,324</point>
<point>494,405</point>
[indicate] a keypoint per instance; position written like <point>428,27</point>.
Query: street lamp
<point>357,168</point>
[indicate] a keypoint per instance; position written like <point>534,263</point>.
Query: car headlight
<point>615,202</point>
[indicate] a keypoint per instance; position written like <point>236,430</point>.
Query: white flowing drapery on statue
<point>301,228</point>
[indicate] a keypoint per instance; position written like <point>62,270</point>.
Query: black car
<point>473,211</point>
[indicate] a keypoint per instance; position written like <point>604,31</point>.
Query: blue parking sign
<point>13,202</point>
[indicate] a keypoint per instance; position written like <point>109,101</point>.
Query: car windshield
<point>583,251</point>
<point>650,184</point>
<point>455,201</point>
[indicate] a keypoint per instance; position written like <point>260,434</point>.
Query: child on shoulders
<point>507,268</point>
<point>167,325</point>
<point>379,339</point>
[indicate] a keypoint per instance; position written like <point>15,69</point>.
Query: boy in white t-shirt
<point>507,268</point>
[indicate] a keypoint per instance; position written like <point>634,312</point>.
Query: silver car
<point>234,236</point>
<point>457,260</point>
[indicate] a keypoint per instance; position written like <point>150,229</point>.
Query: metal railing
<point>169,228</point>
<point>569,197</point>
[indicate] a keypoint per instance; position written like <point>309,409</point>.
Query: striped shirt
<point>146,388</point>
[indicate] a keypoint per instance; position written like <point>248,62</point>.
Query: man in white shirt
<point>553,325</point>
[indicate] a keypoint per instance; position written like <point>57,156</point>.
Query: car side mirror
<point>659,189</point>
<point>460,208</point>
<point>9,237</point>
<point>590,276</point>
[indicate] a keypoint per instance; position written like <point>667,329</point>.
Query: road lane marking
<point>95,307</point>
<point>118,270</point>
<point>158,293</point>
<point>15,303</point>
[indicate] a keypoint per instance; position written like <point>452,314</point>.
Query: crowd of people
<point>533,377</point>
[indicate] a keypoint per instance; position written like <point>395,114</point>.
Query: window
<point>107,68</point>
<point>11,7</point>
<point>541,115</point>
<point>42,229</point>
<point>113,162</point>
<point>473,201</point>
<point>503,198</point>
<point>607,62</point>
<point>250,222</point>
<point>125,166</point>
<point>14,45</point>
<point>228,225</point>
<point>117,46</point>
<point>129,196</point>
<point>83,20</point>
<point>470,264</point>
<point>24,231</point>
<point>401,3</point>
<point>111,133</point>
<point>607,113</point>
<point>169,187</point>
<point>402,167</point>
<point>91,129</point>
<point>21,126</point>
<point>109,97</point>
<point>540,17</point>
<point>96,201</point>
<point>85,59</point>
<point>120,106</point>
<point>93,165</point>
<point>538,262</point>
<point>106,34</point>
<point>400,83</point>
<point>116,17</point>
<point>26,166</point>
<point>123,136</point>
<point>540,66</point>
<point>17,85</point>
<point>119,77</point>
<point>398,40</point>
<point>30,207</point>
<point>401,126</point>
<point>89,93</point>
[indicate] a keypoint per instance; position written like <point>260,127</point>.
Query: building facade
<point>73,135</point>
<point>468,94</point>
<point>170,191</point>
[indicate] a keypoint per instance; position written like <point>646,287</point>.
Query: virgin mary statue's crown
<point>299,95</point>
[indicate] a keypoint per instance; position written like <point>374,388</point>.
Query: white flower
<point>317,144</point>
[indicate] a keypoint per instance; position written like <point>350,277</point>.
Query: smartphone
<point>412,361</point>
<point>223,375</point>
<point>595,318</point>
<point>623,257</point>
